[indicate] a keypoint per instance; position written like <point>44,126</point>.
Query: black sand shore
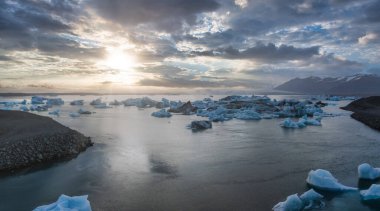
<point>366,110</point>
<point>27,139</point>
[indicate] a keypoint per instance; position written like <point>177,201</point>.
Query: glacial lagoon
<point>140,162</point>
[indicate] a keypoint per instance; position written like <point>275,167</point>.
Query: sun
<point>119,59</point>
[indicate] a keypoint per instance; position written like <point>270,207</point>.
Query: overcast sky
<point>129,46</point>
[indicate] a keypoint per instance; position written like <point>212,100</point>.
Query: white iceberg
<point>77,102</point>
<point>161,114</point>
<point>324,180</point>
<point>67,203</point>
<point>366,171</point>
<point>292,203</point>
<point>373,193</point>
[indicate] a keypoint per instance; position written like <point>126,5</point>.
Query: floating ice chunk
<point>247,115</point>
<point>24,108</point>
<point>366,171</point>
<point>81,111</point>
<point>324,180</point>
<point>309,121</point>
<point>288,123</point>
<point>292,203</point>
<point>74,114</point>
<point>161,114</point>
<point>38,100</point>
<point>67,203</point>
<point>38,108</point>
<point>54,101</point>
<point>96,102</point>
<point>312,200</point>
<point>200,125</point>
<point>102,105</point>
<point>308,200</point>
<point>165,103</point>
<point>116,103</point>
<point>77,102</point>
<point>373,193</point>
<point>55,112</point>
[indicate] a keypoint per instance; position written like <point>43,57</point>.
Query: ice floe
<point>366,171</point>
<point>38,100</point>
<point>77,102</point>
<point>67,203</point>
<point>324,180</point>
<point>308,200</point>
<point>54,101</point>
<point>74,114</point>
<point>373,193</point>
<point>82,111</point>
<point>161,114</point>
<point>55,112</point>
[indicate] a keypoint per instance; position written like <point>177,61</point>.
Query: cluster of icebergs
<point>302,122</point>
<point>321,179</point>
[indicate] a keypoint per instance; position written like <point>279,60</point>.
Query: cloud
<point>368,38</point>
<point>269,52</point>
<point>166,15</point>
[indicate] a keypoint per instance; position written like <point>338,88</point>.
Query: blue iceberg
<point>161,114</point>
<point>373,193</point>
<point>324,180</point>
<point>77,102</point>
<point>366,171</point>
<point>308,200</point>
<point>67,203</point>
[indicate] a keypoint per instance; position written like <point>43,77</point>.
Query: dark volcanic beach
<point>27,139</point>
<point>366,110</point>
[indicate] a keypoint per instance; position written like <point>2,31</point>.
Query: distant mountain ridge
<point>360,84</point>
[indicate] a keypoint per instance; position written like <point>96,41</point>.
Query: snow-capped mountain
<point>361,84</point>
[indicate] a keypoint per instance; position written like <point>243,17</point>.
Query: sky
<point>182,46</point>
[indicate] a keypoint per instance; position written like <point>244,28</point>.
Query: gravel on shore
<point>366,110</point>
<point>28,139</point>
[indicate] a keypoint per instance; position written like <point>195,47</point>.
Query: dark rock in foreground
<point>200,125</point>
<point>27,139</point>
<point>366,110</point>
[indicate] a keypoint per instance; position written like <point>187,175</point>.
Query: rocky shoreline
<point>366,110</point>
<point>28,139</point>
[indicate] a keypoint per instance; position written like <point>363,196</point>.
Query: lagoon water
<point>140,162</point>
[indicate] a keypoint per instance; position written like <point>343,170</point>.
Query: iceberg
<point>288,123</point>
<point>373,193</point>
<point>308,121</point>
<point>77,102</point>
<point>366,171</point>
<point>38,100</point>
<point>38,108</point>
<point>96,102</point>
<point>312,200</point>
<point>161,114</point>
<point>292,203</point>
<point>116,103</point>
<point>54,101</point>
<point>67,203</point>
<point>247,115</point>
<point>308,200</point>
<point>324,180</point>
<point>24,108</point>
<point>81,111</point>
<point>55,112</point>
<point>200,125</point>
<point>74,114</point>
